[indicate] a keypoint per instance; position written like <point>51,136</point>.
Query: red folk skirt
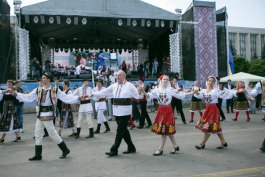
<point>210,121</point>
<point>164,123</point>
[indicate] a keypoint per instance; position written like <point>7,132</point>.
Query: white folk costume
<point>164,123</point>
<point>85,111</point>
<point>100,106</point>
<point>67,118</point>
<point>46,99</point>
<point>9,122</point>
<point>210,121</point>
<point>122,110</point>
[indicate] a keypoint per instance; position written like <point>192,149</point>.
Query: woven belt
<point>85,102</point>
<point>121,101</point>
<point>101,99</point>
<point>46,108</point>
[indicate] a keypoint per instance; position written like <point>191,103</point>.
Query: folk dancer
<point>46,98</point>
<point>100,105</point>
<point>196,104</point>
<point>9,122</point>
<point>241,104</point>
<point>85,109</point>
<point>177,103</point>
<point>143,105</point>
<point>67,118</point>
<point>210,121</point>
<point>122,92</point>
<point>164,123</point>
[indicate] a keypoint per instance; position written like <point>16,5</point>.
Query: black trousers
<point>258,101</point>
<point>229,102</point>
<point>144,114</point>
<point>177,103</point>
<point>122,133</point>
<point>135,112</point>
<point>219,106</point>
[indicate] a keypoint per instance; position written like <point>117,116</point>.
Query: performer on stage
<point>85,109</point>
<point>164,123</point>
<point>196,104</point>
<point>241,100</point>
<point>9,122</point>
<point>67,118</point>
<point>210,121</point>
<point>143,105</point>
<point>100,105</point>
<point>177,103</point>
<point>122,92</point>
<point>46,98</point>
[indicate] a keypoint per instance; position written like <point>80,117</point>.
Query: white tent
<point>241,76</point>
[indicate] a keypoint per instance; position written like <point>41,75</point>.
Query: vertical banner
<point>205,43</point>
<point>174,43</point>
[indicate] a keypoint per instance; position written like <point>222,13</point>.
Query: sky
<point>241,13</point>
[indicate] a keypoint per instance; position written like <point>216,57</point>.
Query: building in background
<point>247,42</point>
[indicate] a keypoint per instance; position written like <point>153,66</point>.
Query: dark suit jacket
<point>232,86</point>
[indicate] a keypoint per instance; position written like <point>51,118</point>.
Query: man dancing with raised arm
<point>46,98</point>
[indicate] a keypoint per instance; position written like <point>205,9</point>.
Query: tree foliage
<point>240,64</point>
<point>256,67</point>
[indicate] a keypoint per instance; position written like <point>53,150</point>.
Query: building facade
<point>247,42</point>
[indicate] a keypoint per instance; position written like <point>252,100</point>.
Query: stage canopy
<point>97,23</point>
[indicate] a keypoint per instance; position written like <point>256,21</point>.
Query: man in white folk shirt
<point>85,109</point>
<point>46,98</point>
<point>122,92</point>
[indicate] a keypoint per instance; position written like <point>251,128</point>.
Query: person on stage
<point>229,102</point>
<point>122,92</point>
<point>46,98</point>
<point>85,109</point>
<point>67,118</point>
<point>209,123</point>
<point>164,123</point>
<point>100,105</point>
<point>196,104</point>
<point>9,122</point>
<point>241,103</point>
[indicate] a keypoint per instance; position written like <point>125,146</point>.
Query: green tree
<point>240,64</point>
<point>257,67</point>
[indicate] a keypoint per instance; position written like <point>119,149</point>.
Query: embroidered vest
<point>53,98</point>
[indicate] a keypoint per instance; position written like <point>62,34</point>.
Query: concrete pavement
<point>88,159</point>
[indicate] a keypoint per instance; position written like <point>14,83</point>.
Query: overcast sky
<point>243,13</point>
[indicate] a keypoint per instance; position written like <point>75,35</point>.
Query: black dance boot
<point>38,151</point>
<point>98,129</point>
<point>78,130</point>
<point>91,133</point>
<point>107,127</point>
<point>45,133</point>
<point>65,150</point>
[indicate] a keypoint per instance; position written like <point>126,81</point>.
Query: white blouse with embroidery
<point>164,97</point>
<point>213,95</point>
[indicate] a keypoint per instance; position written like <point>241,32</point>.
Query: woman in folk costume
<point>241,100</point>
<point>164,123</point>
<point>9,121</point>
<point>100,105</point>
<point>210,121</point>
<point>67,118</point>
<point>196,103</point>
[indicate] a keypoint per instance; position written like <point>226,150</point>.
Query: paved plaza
<point>88,159</point>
